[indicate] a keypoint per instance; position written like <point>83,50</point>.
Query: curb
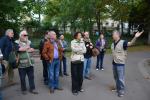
<point>143,70</point>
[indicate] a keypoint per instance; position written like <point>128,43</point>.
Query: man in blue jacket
<point>6,46</point>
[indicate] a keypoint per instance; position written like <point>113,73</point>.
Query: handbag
<point>95,52</point>
<point>13,59</point>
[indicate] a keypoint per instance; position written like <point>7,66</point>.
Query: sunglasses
<point>25,35</point>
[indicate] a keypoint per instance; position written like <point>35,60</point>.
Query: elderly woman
<point>77,63</point>
<point>25,62</point>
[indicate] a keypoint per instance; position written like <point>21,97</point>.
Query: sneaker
<point>121,94</point>
<point>59,89</point>
<point>82,90</point>
<point>75,93</point>
<point>66,74</point>
<point>97,69</point>
<point>102,69</point>
<point>88,78</point>
<point>33,92</point>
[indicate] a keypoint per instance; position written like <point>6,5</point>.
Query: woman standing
<point>101,46</point>
<point>77,63</point>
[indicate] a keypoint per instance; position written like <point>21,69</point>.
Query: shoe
<point>61,75</point>
<point>82,90</point>
<point>52,91</point>
<point>75,93</point>
<point>114,90</point>
<point>121,93</point>
<point>66,74</point>
<point>102,69</point>
<point>24,92</point>
<point>59,89</point>
<point>33,92</point>
<point>45,83</point>
<point>88,78</point>
<point>97,69</point>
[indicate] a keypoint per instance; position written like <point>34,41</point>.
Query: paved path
<point>138,88</point>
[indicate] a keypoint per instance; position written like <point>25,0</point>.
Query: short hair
<point>52,32</point>
<point>76,34</point>
<point>24,31</point>
<point>8,31</point>
<point>46,32</point>
<point>116,31</point>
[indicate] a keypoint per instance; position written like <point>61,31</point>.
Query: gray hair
<point>8,31</point>
<point>52,32</point>
<point>116,31</point>
<point>24,31</point>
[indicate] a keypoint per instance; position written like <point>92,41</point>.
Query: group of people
<point>53,55</point>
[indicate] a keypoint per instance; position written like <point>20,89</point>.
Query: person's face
<point>115,36</point>
<point>24,36</point>
<point>62,37</point>
<point>11,34</point>
<point>79,36</point>
<point>101,36</point>
<point>54,36</point>
<point>86,34</point>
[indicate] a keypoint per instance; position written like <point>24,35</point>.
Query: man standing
<point>87,56</point>
<point>7,46</point>
<point>52,52</point>
<point>45,72</point>
<point>64,58</point>
<point>119,53</point>
<point>26,63</point>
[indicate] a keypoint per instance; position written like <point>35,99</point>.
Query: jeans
<point>45,72</point>
<point>53,73</point>
<point>87,67</point>
<point>0,82</point>
<point>119,76</point>
<point>64,61</point>
<point>29,71</point>
<point>100,59</point>
<point>77,76</point>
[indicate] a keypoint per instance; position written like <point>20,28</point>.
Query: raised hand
<point>138,34</point>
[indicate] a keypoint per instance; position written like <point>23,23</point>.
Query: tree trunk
<point>149,37</point>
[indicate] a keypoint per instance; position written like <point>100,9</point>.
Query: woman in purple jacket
<point>101,46</point>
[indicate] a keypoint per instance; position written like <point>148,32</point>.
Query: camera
<point>140,28</point>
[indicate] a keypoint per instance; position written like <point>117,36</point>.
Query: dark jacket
<point>41,47</point>
<point>6,45</point>
<point>88,53</point>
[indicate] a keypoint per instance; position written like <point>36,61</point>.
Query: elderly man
<point>26,63</point>
<point>119,52</point>
<point>52,52</point>
<point>87,56</point>
<point>64,59</point>
<point>7,46</point>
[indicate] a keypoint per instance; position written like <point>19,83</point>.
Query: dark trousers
<point>77,76</point>
<point>64,62</point>
<point>29,71</point>
<point>100,59</point>
<point>45,72</point>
